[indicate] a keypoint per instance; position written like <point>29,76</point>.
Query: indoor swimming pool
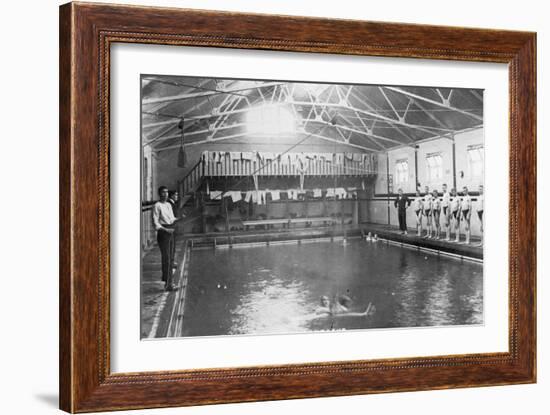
<point>278,289</point>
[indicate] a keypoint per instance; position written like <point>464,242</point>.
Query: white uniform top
<point>455,203</point>
<point>436,203</point>
<point>466,202</point>
<point>480,203</point>
<point>417,203</point>
<point>163,214</point>
<point>446,199</point>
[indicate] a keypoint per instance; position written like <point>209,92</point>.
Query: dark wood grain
<point>86,33</point>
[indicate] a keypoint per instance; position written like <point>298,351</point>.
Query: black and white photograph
<point>281,207</point>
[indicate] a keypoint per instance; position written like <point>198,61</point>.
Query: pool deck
<point>159,307</point>
<point>472,250</point>
<point>161,310</point>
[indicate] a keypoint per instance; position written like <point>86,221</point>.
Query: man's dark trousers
<point>402,216</point>
<point>401,203</point>
<point>164,240</point>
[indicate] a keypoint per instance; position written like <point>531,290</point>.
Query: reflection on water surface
<point>277,289</point>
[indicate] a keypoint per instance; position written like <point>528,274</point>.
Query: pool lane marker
<point>160,309</point>
<point>156,319</point>
<point>183,295</point>
<point>283,242</point>
<point>433,251</point>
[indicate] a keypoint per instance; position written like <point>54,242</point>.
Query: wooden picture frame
<point>86,33</point>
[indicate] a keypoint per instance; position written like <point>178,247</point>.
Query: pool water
<point>277,289</point>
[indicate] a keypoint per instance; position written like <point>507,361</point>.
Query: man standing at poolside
<point>446,211</point>
<point>466,209</point>
<point>401,203</point>
<point>164,221</point>
<point>479,208</point>
<point>427,210</point>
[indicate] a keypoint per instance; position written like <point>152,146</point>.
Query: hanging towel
<point>215,195</point>
<point>249,196</point>
<point>234,155</point>
<point>357,157</point>
<point>317,193</point>
<point>292,194</point>
<point>275,194</point>
<point>261,197</point>
<point>330,192</point>
<point>235,196</point>
<point>340,192</point>
<point>247,155</point>
<point>284,159</point>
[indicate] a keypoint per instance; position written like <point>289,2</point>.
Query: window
<point>475,161</point>
<point>435,167</point>
<point>401,171</point>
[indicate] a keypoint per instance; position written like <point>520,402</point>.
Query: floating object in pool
<point>219,286</point>
<point>225,287</point>
<point>426,257</point>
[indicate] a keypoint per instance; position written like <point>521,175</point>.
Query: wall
<point>462,142</point>
<point>377,210</point>
<point>445,147</point>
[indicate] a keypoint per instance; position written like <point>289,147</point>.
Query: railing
<point>192,179</point>
<point>147,229</point>
<point>228,167</point>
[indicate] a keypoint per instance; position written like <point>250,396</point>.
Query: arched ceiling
<point>369,117</point>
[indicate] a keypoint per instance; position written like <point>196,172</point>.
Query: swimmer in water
<point>339,307</point>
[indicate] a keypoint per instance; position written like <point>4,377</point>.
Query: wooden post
<point>342,206</point>
<point>415,168</point>
<point>203,216</point>
<point>224,204</point>
<point>388,183</point>
<point>454,161</point>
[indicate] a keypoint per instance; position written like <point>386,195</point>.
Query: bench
<point>287,222</point>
